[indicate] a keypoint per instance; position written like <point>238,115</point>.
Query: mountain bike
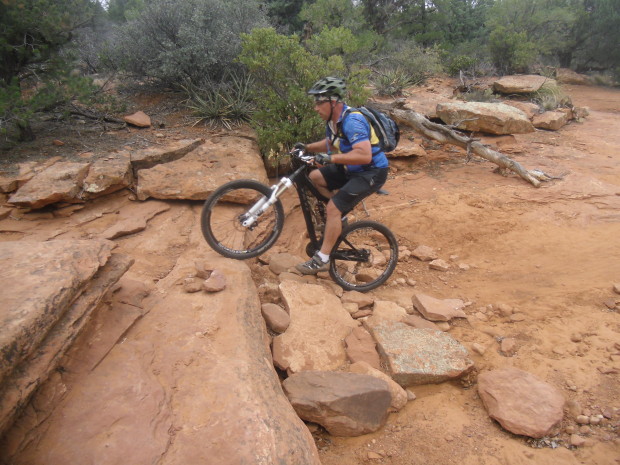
<point>244,218</point>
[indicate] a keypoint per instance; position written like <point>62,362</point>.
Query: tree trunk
<point>446,135</point>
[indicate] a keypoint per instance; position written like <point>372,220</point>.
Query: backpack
<point>385,127</point>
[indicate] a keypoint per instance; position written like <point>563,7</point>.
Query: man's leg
<point>333,227</point>
<point>318,180</point>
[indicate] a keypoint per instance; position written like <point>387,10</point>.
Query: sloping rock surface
<point>493,118</point>
<point>37,330</point>
<point>164,392</point>
<point>521,402</point>
<point>200,172</point>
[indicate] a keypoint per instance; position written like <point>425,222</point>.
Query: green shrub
<point>511,51</point>
<point>465,63</point>
<point>283,71</point>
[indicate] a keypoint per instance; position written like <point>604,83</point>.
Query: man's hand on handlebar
<point>322,159</point>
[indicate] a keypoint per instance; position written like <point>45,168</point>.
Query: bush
<point>283,72</point>
<point>511,51</point>
<point>177,41</point>
<point>409,64</point>
<point>464,63</point>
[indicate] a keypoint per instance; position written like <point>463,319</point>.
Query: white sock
<point>323,256</point>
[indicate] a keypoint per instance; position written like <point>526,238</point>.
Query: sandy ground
<point>552,254</point>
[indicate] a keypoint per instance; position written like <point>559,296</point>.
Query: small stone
<point>439,265</point>
<point>582,419</point>
<point>610,304</point>
<point>411,282</point>
<point>570,429</point>
<point>596,419</point>
<point>505,310</point>
<point>576,440</point>
<point>585,429</point>
<point>481,316</point>
<point>464,267</point>
<point>410,395</point>
<point>516,317</point>
<point>574,408</point>
<point>374,456</point>
<point>508,346</point>
<point>424,253</point>
<point>58,142</point>
<point>478,348</point>
<point>216,282</point>
<point>191,285</point>
<point>617,288</point>
<point>576,337</point>
<point>443,325</point>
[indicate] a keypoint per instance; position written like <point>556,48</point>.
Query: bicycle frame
<point>302,183</point>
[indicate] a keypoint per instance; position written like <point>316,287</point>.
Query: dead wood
<point>447,135</point>
<point>94,114</point>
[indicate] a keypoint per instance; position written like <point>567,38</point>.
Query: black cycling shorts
<point>353,187</point>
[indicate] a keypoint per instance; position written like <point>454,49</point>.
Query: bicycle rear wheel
<point>364,256</point>
<point>224,212</point>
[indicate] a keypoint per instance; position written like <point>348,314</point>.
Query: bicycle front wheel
<point>364,256</point>
<point>225,211</point>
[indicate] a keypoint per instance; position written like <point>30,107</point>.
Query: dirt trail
<point>550,253</point>
<point>553,254</point>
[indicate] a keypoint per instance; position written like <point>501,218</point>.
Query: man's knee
<point>332,210</point>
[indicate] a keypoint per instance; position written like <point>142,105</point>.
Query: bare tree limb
<point>446,135</point>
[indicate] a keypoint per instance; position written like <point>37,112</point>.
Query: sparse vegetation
<point>550,97</point>
<point>228,103</point>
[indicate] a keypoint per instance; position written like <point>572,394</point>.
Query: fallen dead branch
<point>447,135</point>
<point>94,114</point>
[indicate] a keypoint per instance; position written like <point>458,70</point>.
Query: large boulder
<point>520,84</point>
<point>568,76</point>
<point>494,118</point>
<point>314,338</point>
<point>551,120</point>
<point>419,356</point>
<point>345,404</point>
<point>202,170</point>
<point>521,402</point>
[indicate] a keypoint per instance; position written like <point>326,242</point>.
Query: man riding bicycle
<point>353,163</point>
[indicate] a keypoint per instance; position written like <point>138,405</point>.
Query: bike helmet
<point>329,87</point>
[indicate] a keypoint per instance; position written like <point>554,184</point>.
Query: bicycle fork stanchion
<point>263,204</point>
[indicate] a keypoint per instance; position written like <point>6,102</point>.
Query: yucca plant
<point>224,104</point>
<point>392,82</point>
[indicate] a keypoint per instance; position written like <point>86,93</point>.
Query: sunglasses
<point>318,100</point>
